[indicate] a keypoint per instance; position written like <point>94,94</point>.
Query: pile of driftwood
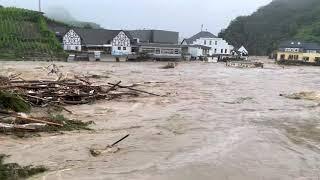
<point>17,93</point>
<point>66,92</point>
<point>244,64</point>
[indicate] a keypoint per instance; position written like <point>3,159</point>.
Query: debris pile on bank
<point>17,96</point>
<point>244,64</point>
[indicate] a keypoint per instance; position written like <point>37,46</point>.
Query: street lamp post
<point>39,5</point>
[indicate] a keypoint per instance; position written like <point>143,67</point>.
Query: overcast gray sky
<point>184,16</point>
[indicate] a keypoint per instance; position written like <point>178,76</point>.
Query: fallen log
<point>124,87</point>
<point>10,127</point>
<point>38,120</point>
<point>117,142</point>
<point>113,87</point>
<point>29,119</point>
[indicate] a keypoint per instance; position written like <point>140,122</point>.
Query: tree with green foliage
<point>281,20</point>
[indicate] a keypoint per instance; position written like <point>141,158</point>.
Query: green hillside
<point>280,20</point>
<point>24,34</point>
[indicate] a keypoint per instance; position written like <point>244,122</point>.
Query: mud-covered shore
<point>215,122</point>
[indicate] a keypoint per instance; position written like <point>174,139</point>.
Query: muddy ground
<point>216,122</point>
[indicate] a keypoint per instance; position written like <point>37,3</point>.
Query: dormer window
<point>136,40</point>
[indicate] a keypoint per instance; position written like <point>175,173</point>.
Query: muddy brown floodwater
<point>217,123</point>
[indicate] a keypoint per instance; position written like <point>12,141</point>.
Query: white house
<point>217,46</point>
<point>71,41</point>
<point>243,51</point>
<point>115,42</point>
<point>195,51</point>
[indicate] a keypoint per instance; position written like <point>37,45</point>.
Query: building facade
<point>217,46</point>
<point>72,41</point>
<point>195,51</point>
<point>114,42</point>
<point>157,44</point>
<point>298,51</point>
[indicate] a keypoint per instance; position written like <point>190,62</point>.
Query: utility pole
<point>39,5</point>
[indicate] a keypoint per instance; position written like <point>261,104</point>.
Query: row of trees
<point>280,20</point>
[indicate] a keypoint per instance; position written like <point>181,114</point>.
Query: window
<point>317,59</point>
<point>282,57</point>
<point>290,57</point>
<point>176,51</point>
<point>296,57</point>
<point>215,51</point>
<point>216,43</point>
<point>119,48</point>
<point>225,51</point>
<point>221,51</point>
<point>136,40</point>
<point>158,51</point>
<point>210,42</point>
<point>148,50</point>
<point>124,48</point>
<point>167,51</point>
<point>205,42</point>
<point>306,58</point>
<point>311,51</point>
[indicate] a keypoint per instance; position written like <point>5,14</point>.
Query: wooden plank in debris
<point>113,87</point>
<point>29,119</point>
<point>117,142</point>
<point>135,89</point>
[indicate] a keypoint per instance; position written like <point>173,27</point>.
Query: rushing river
<point>216,123</point>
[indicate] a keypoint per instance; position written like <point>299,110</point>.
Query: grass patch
<point>13,171</point>
<point>68,125</point>
<point>13,102</point>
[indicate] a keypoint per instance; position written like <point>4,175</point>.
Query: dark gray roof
<point>299,44</point>
<point>98,36</point>
<point>197,46</point>
<point>142,35</point>
<point>202,34</point>
<point>156,36</point>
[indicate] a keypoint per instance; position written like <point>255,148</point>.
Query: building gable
<point>71,38</point>
<point>243,50</point>
<point>184,42</point>
<point>121,40</point>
